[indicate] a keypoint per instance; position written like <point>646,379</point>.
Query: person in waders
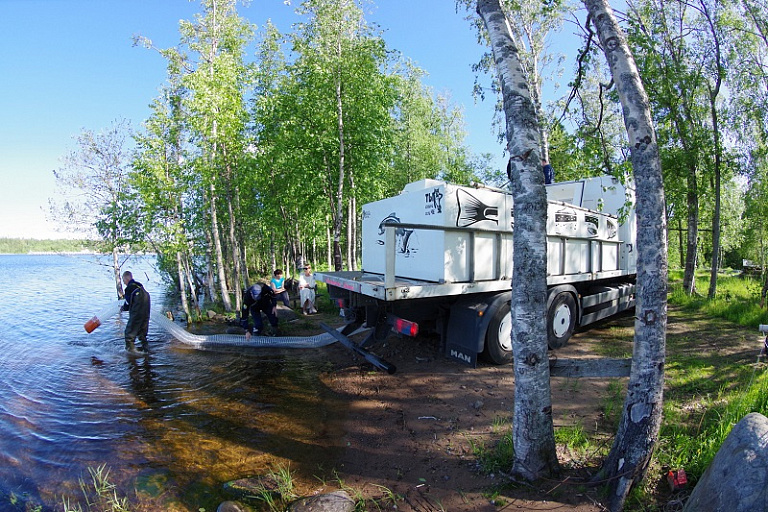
<point>137,304</point>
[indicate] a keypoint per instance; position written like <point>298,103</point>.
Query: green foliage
<point>275,152</point>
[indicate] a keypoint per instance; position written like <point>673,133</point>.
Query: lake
<point>171,427</point>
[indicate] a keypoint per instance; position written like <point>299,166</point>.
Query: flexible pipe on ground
<point>212,340</point>
<point>201,341</point>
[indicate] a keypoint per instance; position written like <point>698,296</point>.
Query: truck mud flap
<point>371,358</point>
<point>463,333</point>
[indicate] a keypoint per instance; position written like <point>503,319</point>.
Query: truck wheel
<point>498,338</point>
<point>561,320</point>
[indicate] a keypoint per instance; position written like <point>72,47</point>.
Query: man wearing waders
<point>137,304</point>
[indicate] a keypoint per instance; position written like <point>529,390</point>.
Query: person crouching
<point>258,298</point>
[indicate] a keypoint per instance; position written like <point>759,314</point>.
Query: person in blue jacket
<point>258,298</point>
<point>137,303</point>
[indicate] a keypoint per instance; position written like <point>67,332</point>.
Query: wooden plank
<point>590,367</point>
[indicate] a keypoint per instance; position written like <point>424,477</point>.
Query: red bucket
<point>91,324</point>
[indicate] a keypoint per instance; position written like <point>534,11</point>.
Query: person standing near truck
<point>549,172</point>
<point>137,303</point>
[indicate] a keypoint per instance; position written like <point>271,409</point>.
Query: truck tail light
<point>406,327</point>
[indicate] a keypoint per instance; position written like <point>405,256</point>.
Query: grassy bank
<point>714,378</point>
<point>708,388</point>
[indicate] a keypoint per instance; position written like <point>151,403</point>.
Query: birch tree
<point>638,432</point>
<point>217,82</point>
<point>533,433</point>
<point>530,24</point>
<point>95,195</point>
<point>168,197</point>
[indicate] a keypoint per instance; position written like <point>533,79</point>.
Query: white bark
<point>182,285</point>
<point>533,433</point>
<point>639,428</point>
<point>219,253</point>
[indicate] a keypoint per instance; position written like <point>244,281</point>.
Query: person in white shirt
<point>307,287</point>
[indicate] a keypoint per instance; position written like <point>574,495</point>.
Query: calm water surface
<point>172,427</point>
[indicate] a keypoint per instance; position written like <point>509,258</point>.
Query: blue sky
<point>69,65</point>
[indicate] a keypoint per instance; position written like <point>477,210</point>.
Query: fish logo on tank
<point>433,202</point>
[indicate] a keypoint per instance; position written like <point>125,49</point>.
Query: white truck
<point>438,257</point>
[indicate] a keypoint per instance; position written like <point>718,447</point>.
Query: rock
<point>478,405</point>
<point>211,314</point>
<point>337,501</point>
<point>737,478</point>
<point>232,506</point>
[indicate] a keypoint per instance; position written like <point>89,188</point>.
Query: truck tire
<point>498,338</point>
<point>561,319</point>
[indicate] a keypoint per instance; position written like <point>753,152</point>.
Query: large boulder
<point>737,478</point>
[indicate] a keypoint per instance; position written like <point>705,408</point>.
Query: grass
<point>737,299</point>
<point>277,491</point>
<point>574,437</point>
<point>499,455</point>
<point>388,499</point>
<point>706,393</point>
<point>99,494</point>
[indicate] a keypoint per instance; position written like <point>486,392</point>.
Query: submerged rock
<point>233,506</point>
<point>337,501</point>
<point>737,478</point>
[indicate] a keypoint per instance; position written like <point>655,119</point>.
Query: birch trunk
<point>638,432</point>
<point>235,248</point>
<point>354,231</point>
<point>182,285</point>
<point>219,253</point>
<point>210,280</point>
<point>116,272</point>
<point>533,433</point>
<point>692,203</point>
<point>692,240</point>
<point>191,282</point>
<point>714,92</point>
<point>350,234</point>
<point>339,221</point>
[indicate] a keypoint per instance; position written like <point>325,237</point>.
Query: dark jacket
<point>136,298</point>
<point>259,295</point>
